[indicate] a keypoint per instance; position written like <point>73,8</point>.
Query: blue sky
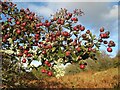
<point>97,14</point>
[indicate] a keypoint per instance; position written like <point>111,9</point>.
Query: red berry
<point>25,51</point>
<point>62,22</point>
<point>48,24</point>
<point>6,36</point>
<point>40,24</point>
<point>88,31</point>
<point>103,35</point>
<point>102,29</point>
<point>24,60</point>
<point>100,40</point>
<point>37,35</point>
<point>23,24</point>
<point>30,17</point>
<point>82,28</point>
<point>74,19</point>
<point>20,47</point>
<point>9,19</point>
<point>4,40</point>
<point>113,44</point>
<point>94,50</point>
<point>22,28</point>
<point>78,49</point>
<point>65,33</point>
<point>50,46</point>
<point>54,18</point>
<point>27,17</point>
<point>20,54</point>
<point>67,53</point>
<point>18,23</point>
<point>18,31</point>
<point>35,44</point>
<point>74,43</point>
<point>37,25</point>
<point>105,42</point>
<point>47,40</point>
<point>89,49</point>
<point>46,62</point>
<point>44,52</point>
<point>49,73</point>
<point>36,39</point>
<point>40,42</point>
<point>109,49</point>
<point>49,65</point>
<point>70,14</point>
<point>58,33</point>
<point>107,32</point>
<point>82,66</point>
<point>54,39</point>
<point>76,29</point>
<point>29,55</point>
<point>43,71</point>
<point>58,21</point>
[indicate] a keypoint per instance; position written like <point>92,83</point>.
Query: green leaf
<point>74,56</point>
<point>75,33</point>
<point>53,49</point>
<point>6,23</point>
<point>93,37</point>
<point>97,45</point>
<point>29,61</point>
<point>67,47</point>
<point>83,48</point>
<point>66,26</point>
<point>81,53</point>
<point>60,53</point>
<point>36,57</point>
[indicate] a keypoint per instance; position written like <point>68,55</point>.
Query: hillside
<point>102,79</point>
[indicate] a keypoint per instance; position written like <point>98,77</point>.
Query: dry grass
<point>89,79</point>
<point>102,79</point>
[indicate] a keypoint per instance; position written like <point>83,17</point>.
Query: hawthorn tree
<point>59,40</point>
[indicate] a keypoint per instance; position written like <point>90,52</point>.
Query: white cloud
<point>41,10</point>
<point>113,13</point>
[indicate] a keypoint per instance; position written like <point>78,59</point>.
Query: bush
<point>12,74</point>
<point>104,62</point>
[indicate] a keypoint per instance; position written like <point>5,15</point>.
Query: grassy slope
<point>102,79</point>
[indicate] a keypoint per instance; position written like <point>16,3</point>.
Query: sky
<point>103,13</point>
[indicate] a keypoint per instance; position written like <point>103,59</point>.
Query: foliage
<point>12,74</point>
<point>104,62</point>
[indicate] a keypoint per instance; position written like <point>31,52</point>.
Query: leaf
<point>67,47</point>
<point>75,33</point>
<point>83,48</point>
<point>80,53</point>
<point>53,49</point>
<point>36,57</point>
<point>66,26</point>
<point>93,37</point>
<point>60,52</point>
<point>97,45</point>
<point>74,56</point>
<point>29,61</point>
